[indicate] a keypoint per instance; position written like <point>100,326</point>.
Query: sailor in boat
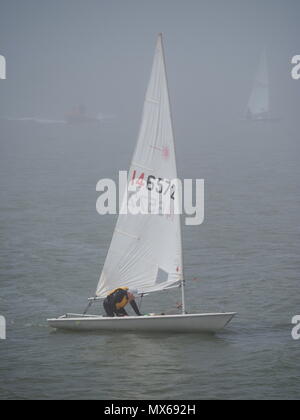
<point>117,299</point>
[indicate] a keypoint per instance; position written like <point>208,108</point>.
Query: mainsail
<point>259,103</point>
<point>146,249</point>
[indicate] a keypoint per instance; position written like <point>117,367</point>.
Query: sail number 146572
<point>158,185</point>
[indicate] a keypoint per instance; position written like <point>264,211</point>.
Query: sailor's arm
<point>135,307</point>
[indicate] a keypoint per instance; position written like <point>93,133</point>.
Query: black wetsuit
<point>115,302</point>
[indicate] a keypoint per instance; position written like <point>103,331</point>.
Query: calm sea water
<point>245,256</point>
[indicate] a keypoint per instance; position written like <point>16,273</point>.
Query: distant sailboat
<point>258,108</point>
<point>146,250</point>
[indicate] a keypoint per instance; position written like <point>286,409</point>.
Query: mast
<point>180,225</point>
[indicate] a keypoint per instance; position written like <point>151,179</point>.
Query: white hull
<point>190,323</point>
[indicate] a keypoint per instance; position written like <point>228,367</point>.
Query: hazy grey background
<point>53,243</point>
<point>61,53</point>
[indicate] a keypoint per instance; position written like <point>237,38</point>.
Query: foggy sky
<point>99,52</point>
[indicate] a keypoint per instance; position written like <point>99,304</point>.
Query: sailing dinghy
<point>146,249</point>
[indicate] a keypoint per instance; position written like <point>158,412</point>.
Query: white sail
<point>146,250</point>
<point>259,103</point>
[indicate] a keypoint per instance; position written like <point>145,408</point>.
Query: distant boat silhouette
<point>258,108</point>
<point>78,115</point>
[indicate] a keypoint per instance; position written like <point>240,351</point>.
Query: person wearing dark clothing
<point>116,301</point>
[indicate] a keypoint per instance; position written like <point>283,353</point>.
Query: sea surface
<point>244,258</point>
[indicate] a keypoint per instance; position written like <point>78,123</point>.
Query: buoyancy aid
<point>117,295</point>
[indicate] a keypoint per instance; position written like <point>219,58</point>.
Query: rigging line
<point>88,307</point>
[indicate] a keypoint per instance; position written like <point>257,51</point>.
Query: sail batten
<point>145,245</point>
